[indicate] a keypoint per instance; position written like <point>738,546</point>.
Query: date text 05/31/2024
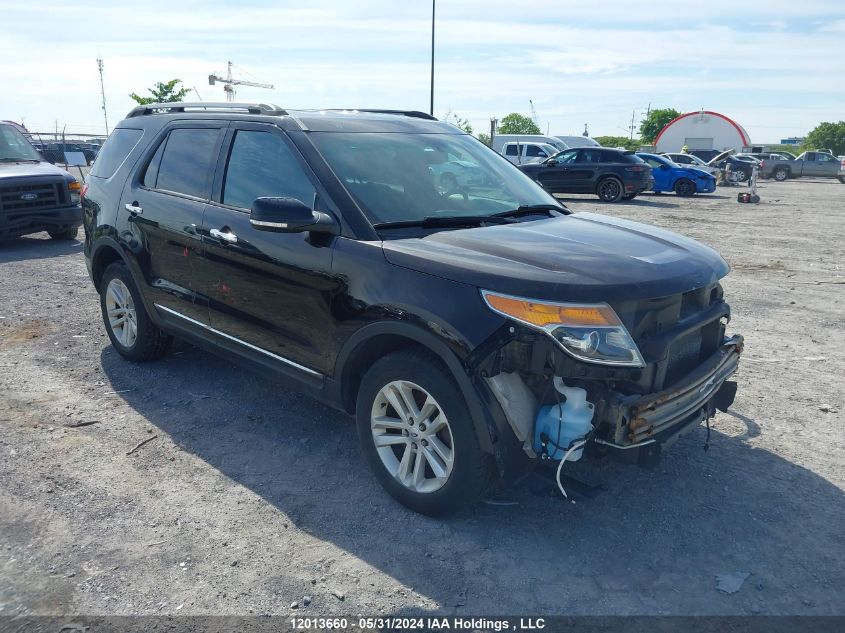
<point>417,624</point>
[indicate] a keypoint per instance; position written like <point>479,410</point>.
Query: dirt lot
<point>250,497</point>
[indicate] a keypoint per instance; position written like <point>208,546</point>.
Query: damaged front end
<point>652,370</point>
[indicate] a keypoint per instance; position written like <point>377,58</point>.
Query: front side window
<point>394,176</point>
<point>187,161</point>
<point>261,165</point>
<point>567,157</point>
<point>534,151</point>
<point>510,150</point>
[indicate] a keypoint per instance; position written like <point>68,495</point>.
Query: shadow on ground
<point>36,247</point>
<point>652,542</point>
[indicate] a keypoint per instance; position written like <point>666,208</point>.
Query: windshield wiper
<point>531,209</point>
<point>8,159</point>
<point>435,221</point>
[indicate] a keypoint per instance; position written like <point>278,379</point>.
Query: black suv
<point>319,247</point>
<point>611,174</point>
<point>34,195</point>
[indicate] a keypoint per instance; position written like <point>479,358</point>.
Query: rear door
<point>585,170</point>
<point>268,293</point>
<point>163,204</point>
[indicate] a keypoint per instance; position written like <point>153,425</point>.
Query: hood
<point>698,172</point>
<point>28,170</point>
<point>581,257</point>
<point>720,157</point>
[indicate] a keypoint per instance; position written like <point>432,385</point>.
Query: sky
<point>775,66</point>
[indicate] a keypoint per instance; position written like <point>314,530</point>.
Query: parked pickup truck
<point>817,164</point>
<point>34,195</point>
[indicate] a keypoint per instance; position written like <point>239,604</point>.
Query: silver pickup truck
<point>816,164</point>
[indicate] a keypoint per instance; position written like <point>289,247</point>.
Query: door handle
<point>227,236</point>
<point>133,208</point>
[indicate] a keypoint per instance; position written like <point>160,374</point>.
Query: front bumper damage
<point>655,421</point>
<point>631,427</point>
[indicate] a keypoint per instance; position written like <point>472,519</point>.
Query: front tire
<point>610,189</point>
<point>66,234</point>
<point>130,329</point>
<point>418,437</point>
<point>781,174</point>
<point>685,188</point>
<point>741,175</point>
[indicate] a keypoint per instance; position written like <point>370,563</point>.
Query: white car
<point>691,160</point>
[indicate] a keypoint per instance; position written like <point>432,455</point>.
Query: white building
<point>702,130</point>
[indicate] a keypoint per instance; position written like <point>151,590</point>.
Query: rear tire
<point>428,457</point>
<point>610,189</point>
<point>842,179</point>
<point>780,174</point>
<point>130,329</point>
<point>685,188</point>
<point>67,234</point>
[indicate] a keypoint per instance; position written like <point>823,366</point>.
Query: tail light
<point>636,168</point>
<point>83,192</point>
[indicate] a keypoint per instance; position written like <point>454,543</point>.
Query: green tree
<point>516,123</point>
<point>458,122</point>
<point>618,141</point>
<point>484,138</point>
<point>162,92</point>
<point>827,136</point>
<point>655,121</point>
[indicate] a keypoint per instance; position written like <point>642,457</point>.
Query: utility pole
<point>633,114</point>
<point>431,105</point>
<point>103,94</point>
<point>493,125</point>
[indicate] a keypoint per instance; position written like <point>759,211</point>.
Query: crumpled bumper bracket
<point>640,420</point>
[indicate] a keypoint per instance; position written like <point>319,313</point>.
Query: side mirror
<point>663,166</point>
<point>550,162</point>
<point>289,215</point>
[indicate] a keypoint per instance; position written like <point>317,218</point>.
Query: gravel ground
<point>250,497</point>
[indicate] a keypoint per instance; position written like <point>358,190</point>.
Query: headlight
<point>588,332</point>
<point>74,188</point>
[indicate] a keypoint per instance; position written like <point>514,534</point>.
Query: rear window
<point>187,161</point>
<point>115,150</point>
<point>624,157</point>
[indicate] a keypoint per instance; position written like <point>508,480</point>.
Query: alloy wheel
<point>122,317</point>
<point>412,436</point>
<point>609,190</point>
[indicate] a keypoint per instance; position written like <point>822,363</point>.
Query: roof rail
<point>214,106</point>
<point>412,113</point>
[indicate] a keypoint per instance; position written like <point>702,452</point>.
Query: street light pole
<point>431,106</point>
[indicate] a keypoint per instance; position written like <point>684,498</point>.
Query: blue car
<point>684,181</point>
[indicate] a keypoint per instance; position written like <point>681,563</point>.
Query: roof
<point>328,120</point>
<point>741,130</point>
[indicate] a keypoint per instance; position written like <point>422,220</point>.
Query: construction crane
<point>229,83</point>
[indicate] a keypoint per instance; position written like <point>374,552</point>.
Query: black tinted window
<point>115,150</point>
<point>589,156</point>
<point>187,161</point>
<point>262,165</point>
<point>151,175</point>
<point>534,150</point>
<point>510,150</point>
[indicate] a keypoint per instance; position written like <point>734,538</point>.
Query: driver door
<point>555,174</point>
<point>269,293</point>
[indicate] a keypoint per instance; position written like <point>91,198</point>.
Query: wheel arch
<point>105,253</point>
<point>375,340</point>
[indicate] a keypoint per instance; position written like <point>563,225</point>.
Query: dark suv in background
<point>320,248</point>
<point>611,174</point>
<point>35,196</point>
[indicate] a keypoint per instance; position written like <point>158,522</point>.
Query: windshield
<point>398,177</point>
<point>14,146</point>
<point>696,159</point>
